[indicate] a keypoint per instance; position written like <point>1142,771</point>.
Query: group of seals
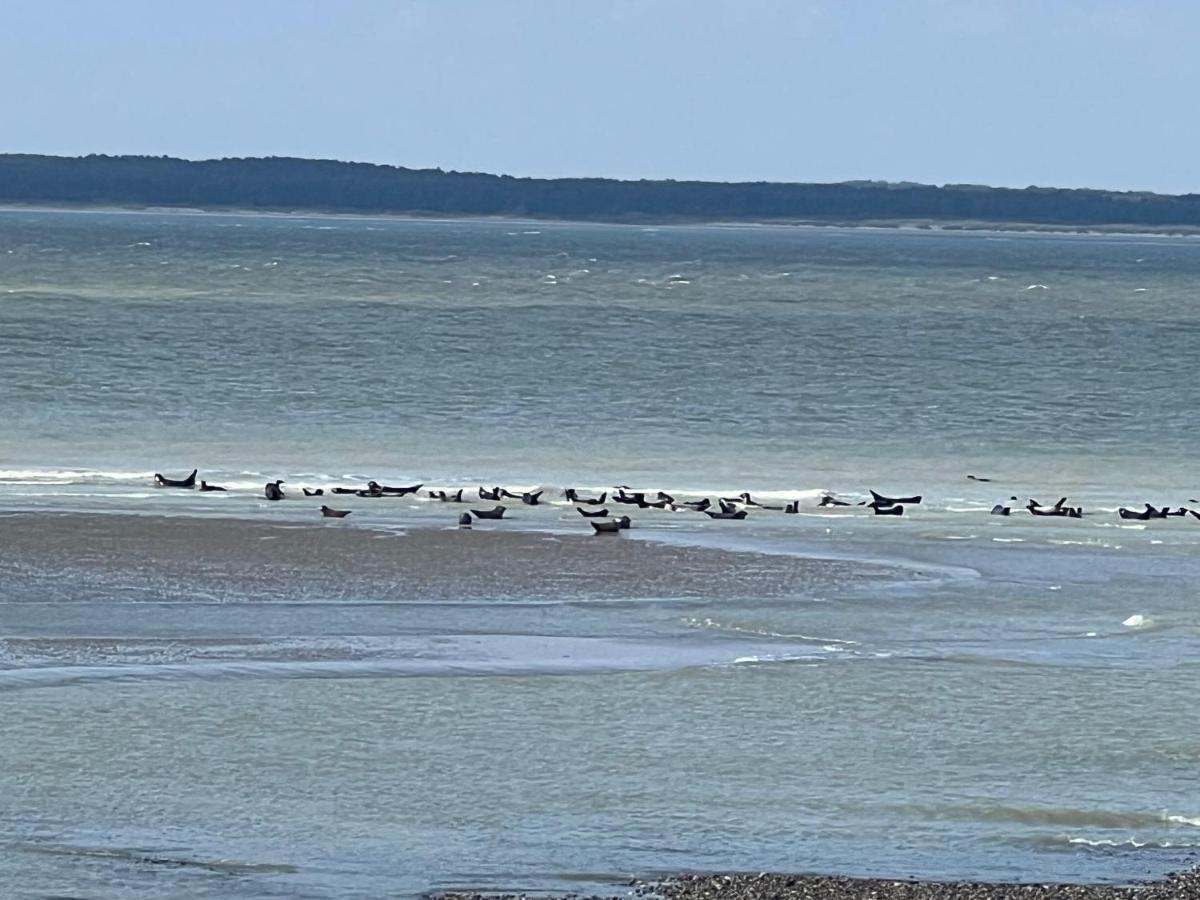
<point>529,498</point>
<point>733,508</point>
<point>1152,512</point>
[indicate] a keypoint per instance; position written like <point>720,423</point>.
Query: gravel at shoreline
<point>781,886</point>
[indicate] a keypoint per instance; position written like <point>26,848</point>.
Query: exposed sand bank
<point>449,563</point>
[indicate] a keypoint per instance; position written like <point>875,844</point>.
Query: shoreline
<point>1183,885</point>
<point>937,226</point>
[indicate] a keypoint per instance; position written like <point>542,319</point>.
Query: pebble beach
<point>777,886</point>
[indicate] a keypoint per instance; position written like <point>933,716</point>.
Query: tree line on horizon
<point>285,183</point>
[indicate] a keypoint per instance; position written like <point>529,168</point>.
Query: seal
<point>373,489</point>
<point>400,491</point>
<point>187,483</point>
<point>572,496</point>
<point>893,501</point>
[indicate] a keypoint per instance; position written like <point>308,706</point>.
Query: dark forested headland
<point>281,183</point>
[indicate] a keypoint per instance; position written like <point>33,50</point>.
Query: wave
<point>154,858</point>
<point>764,632</point>
<point>1130,843</point>
<point>1068,817</point>
<point>477,657</point>
<point>71,476</point>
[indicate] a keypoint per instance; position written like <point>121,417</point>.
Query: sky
<point>1067,93</point>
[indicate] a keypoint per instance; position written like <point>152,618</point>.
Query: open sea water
<point>1017,704</point>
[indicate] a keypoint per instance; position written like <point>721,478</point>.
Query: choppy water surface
<point>1013,698</point>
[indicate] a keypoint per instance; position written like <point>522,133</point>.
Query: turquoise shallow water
<point>1021,708</point>
<point>538,352</point>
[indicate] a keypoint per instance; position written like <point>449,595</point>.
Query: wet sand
<point>455,564</point>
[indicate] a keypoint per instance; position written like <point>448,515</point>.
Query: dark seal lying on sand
<point>766,886</point>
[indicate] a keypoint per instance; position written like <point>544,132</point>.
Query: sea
<point>951,695</point>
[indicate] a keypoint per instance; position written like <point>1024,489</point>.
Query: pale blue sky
<point>1098,93</point>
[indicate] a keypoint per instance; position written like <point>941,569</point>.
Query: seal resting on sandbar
<point>334,513</point>
<point>495,513</point>
<point>592,513</point>
<point>400,491</point>
<point>272,489</point>
<point>612,526</point>
<point>573,496</point>
<point>1149,512</point>
<point>894,510</point>
<point>319,492</point>
<point>1058,510</point>
<point>163,481</point>
<point>445,497</point>
<point>893,501</point>
<point>726,514</point>
<point>205,486</point>
<point>493,494</point>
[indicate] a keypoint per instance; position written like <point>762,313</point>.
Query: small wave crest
<point>712,624</point>
<point>71,476</point>
<point>1130,843</point>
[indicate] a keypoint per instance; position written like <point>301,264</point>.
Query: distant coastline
<point>282,185</point>
<point>945,226</point>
